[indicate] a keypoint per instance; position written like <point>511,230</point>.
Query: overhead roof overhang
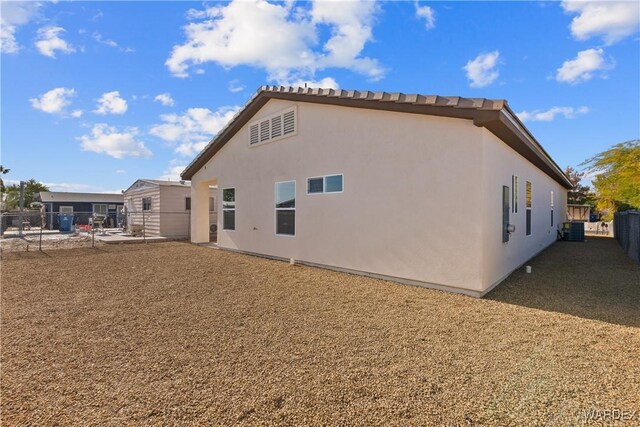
<point>494,115</point>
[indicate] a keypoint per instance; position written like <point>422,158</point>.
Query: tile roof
<point>493,114</point>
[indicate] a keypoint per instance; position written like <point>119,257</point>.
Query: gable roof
<point>493,114</point>
<point>67,197</point>
<point>158,183</point>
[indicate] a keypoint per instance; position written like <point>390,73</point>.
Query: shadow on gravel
<point>593,280</point>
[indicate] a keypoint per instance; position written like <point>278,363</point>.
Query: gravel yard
<point>174,334</point>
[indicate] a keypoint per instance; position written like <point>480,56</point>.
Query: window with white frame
<point>528,204</point>
<point>276,126</point>
<point>229,209</point>
<point>514,193</point>
<point>286,208</point>
<point>552,208</point>
<point>325,184</point>
<point>66,209</point>
<point>100,209</point>
<point>146,203</point>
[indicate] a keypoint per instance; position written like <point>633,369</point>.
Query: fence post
<point>144,229</point>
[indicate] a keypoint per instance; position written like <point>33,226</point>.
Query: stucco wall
<point>406,210</point>
<point>500,163</point>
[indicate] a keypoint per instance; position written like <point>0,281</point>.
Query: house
<point>446,192</point>
<point>163,207</point>
<point>82,205</point>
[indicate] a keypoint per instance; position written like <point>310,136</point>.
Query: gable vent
<point>264,130</point>
<point>276,126</point>
<point>253,134</point>
<point>289,122</point>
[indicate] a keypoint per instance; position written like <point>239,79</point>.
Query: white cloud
<point>109,140</point>
<point>111,43</point>
<point>279,38</point>
<point>121,171</point>
<point>14,14</point>
<point>54,101</point>
<point>550,114</point>
<point>235,86</point>
<point>427,14</point>
<point>326,83</point>
<point>164,99</point>
<point>482,70</point>
<point>583,66</point>
<point>612,20</point>
<point>111,103</point>
<point>76,113</point>
<point>68,186</point>
<point>194,129</point>
<point>49,41</point>
<point>172,173</point>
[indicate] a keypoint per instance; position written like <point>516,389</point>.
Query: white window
<point>286,208</point>
<point>112,207</point>
<point>274,127</point>
<point>228,208</point>
<point>325,184</point>
<point>552,208</point>
<point>100,209</point>
<point>528,203</point>
<point>514,193</point>
<point>66,209</point>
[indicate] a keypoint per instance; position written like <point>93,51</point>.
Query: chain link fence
<point>31,229</point>
<point>626,226</point>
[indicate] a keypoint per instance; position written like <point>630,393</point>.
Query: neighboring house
<point>446,192</point>
<point>82,205</point>
<point>163,207</point>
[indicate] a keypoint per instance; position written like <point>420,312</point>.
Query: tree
<point>31,189</point>
<point>617,184</point>
<point>579,194</point>
<point>3,171</point>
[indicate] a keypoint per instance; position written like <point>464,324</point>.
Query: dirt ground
<point>175,334</point>
<point>31,242</point>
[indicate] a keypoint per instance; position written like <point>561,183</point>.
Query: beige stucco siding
<point>500,164</point>
<point>408,210</point>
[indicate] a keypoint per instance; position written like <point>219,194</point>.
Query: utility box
<point>66,223</point>
<point>573,231</point>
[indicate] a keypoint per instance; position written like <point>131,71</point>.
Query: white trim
<point>222,208</point>
<point>106,205</point>
<point>275,216</point>
<point>60,207</point>
<point>324,184</point>
<point>268,118</point>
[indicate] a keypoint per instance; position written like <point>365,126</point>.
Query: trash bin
<point>66,223</point>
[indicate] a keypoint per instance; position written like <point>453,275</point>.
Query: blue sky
<point>97,94</point>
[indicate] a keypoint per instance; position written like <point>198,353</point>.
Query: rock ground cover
<point>174,334</point>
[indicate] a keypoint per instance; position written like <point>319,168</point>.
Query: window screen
<point>285,201</point>
<point>229,209</point>
<point>315,185</point>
